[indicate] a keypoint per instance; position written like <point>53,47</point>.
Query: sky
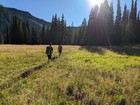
<point>74,10</point>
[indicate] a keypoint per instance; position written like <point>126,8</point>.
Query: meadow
<point>81,76</point>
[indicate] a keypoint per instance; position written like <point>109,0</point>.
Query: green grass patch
<point>78,77</point>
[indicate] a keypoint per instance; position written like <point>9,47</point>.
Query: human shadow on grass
<point>29,72</point>
<point>54,58</point>
<point>123,50</point>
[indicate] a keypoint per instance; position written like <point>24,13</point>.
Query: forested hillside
<point>19,21</point>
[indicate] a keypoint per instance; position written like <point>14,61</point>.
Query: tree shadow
<point>96,49</point>
<point>133,50</point>
<point>126,50</point>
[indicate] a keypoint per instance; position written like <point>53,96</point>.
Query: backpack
<point>48,51</point>
<point>60,48</point>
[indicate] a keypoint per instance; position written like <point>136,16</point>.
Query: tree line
<point>101,29</point>
<point>21,32</point>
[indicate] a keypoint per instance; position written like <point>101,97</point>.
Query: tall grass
<point>78,77</point>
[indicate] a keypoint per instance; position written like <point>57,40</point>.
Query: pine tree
<point>71,29</point>
<point>135,24</point>
<point>118,31</point>
<point>137,32</point>
<point>124,18</point>
<point>34,36</point>
<point>15,31</point>
<point>7,40</point>
<point>87,39</point>
<point>24,33</point>
<point>91,33</point>
<point>58,30</point>
<point>69,36</point>
<point>63,30</point>
<point>47,35</point>
<point>138,28</point>
<point>1,39</point>
<point>104,24</point>
<point>28,32</point>
<point>42,41</point>
<point>100,22</point>
<point>124,24</point>
<point>138,17</point>
<point>53,30</point>
<point>131,27</point>
<point>82,32</point>
<point>132,11</point>
<point>111,23</point>
<point>135,10</point>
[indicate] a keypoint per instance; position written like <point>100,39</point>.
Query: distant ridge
<point>6,15</point>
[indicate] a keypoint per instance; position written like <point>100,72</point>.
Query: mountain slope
<point>6,15</point>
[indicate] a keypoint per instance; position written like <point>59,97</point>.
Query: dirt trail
<point>25,74</point>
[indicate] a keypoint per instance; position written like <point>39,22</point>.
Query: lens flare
<point>92,3</point>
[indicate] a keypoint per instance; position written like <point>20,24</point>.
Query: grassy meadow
<point>81,76</point>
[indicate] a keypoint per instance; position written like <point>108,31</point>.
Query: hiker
<point>60,49</point>
<point>49,51</point>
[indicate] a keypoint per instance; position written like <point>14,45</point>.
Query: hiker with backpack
<point>49,51</point>
<point>60,49</point>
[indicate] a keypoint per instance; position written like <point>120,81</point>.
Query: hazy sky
<point>74,10</point>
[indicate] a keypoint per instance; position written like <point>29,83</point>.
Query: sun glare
<point>92,3</point>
